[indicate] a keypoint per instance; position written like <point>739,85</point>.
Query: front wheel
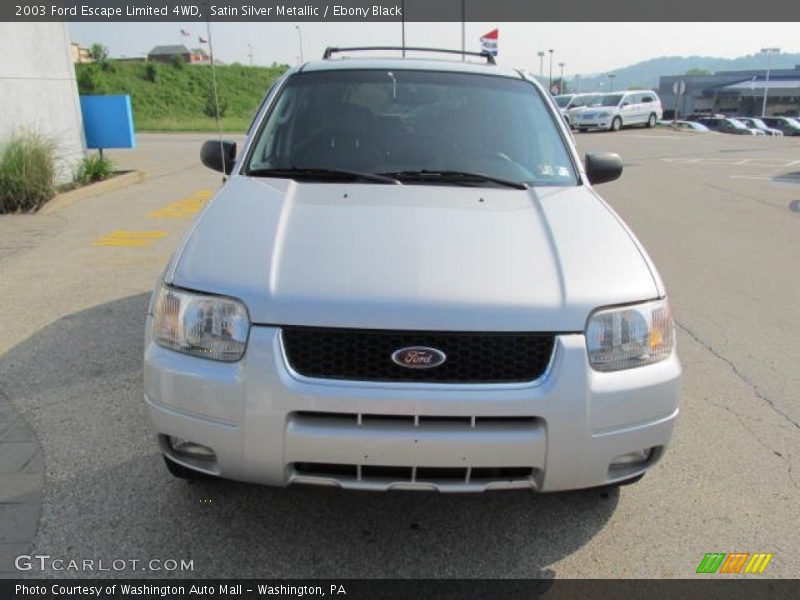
<point>616,124</point>
<point>651,122</point>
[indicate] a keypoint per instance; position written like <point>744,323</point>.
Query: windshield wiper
<point>454,177</point>
<point>321,174</point>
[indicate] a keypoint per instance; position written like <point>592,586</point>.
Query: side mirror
<point>603,166</point>
<point>219,155</point>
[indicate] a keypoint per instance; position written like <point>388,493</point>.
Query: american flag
<point>185,33</point>
<point>202,40</point>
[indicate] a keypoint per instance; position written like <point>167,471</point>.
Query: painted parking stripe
<point>130,239</point>
<point>184,208</point>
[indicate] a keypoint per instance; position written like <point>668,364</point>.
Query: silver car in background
<point>409,281</point>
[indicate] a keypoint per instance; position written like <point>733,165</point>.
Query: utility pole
<point>300,39</point>
<point>769,52</point>
<point>463,29</point>
<point>250,53</point>
<point>550,79</point>
<point>540,54</point>
<point>561,79</point>
<point>611,81</point>
<point>403,26</point>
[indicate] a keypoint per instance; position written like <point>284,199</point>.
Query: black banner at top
<point>396,10</point>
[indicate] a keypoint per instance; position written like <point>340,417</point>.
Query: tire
<point>651,121</point>
<point>616,124</point>
<point>182,472</point>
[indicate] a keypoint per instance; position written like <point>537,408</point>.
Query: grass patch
<point>27,173</point>
<point>94,168</point>
<point>169,98</point>
<point>197,124</point>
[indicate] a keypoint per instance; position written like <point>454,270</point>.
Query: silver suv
<point>408,281</point>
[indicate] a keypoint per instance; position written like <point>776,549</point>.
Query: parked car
<point>620,109</point>
<point>685,125</point>
<point>759,125</point>
<point>409,281</point>
<point>571,104</point>
<point>726,125</point>
<point>755,130</point>
<point>788,125</point>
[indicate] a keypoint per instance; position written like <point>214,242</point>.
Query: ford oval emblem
<point>418,357</point>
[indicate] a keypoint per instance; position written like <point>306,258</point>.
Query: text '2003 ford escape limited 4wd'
<point>408,282</point>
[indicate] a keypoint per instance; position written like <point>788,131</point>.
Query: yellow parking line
<point>184,208</point>
<point>131,239</point>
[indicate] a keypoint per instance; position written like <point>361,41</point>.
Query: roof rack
<point>330,51</point>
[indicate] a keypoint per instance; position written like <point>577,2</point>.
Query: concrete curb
<point>94,189</point>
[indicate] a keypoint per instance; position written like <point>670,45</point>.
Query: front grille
<point>366,355</point>
<point>392,474</point>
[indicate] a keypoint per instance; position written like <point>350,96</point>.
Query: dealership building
<point>733,92</point>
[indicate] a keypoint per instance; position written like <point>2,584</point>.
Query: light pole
<point>561,78</point>
<point>769,52</point>
<point>550,79</point>
<point>250,53</point>
<point>540,54</point>
<point>300,38</point>
<point>611,81</point>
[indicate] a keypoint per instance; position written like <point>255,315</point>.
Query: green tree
<point>698,71</point>
<point>98,52</point>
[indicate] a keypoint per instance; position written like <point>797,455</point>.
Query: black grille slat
<point>366,355</point>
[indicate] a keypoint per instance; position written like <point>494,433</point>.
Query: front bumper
<point>598,123</point>
<point>266,424</point>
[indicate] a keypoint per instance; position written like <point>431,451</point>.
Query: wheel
<point>616,124</point>
<point>651,121</point>
<point>182,472</point>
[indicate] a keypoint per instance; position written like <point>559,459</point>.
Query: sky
<point>584,48</point>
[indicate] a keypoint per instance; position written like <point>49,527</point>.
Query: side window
<point>647,98</point>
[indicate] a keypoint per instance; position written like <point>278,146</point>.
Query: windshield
<point>737,124</point>
<point>562,101</point>
<point>758,123</point>
<point>405,121</point>
<point>607,100</point>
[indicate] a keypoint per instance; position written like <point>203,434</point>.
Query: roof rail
<point>330,51</point>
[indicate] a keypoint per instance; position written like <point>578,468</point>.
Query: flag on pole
<point>185,33</point>
<point>489,42</point>
<point>202,40</point>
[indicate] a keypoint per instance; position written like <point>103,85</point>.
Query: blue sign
<point>108,121</point>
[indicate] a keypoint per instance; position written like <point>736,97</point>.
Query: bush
<point>27,173</point>
<point>151,72</point>
<point>94,168</point>
<point>178,61</point>
<point>211,105</point>
<point>87,82</point>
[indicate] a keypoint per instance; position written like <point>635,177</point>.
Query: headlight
<point>630,336</point>
<point>212,327</point>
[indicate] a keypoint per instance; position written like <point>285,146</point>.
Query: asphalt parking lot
<point>714,211</point>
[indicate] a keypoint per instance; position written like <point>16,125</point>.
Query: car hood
<point>413,256</point>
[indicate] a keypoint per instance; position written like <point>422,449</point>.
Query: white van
<point>571,104</point>
<point>619,109</point>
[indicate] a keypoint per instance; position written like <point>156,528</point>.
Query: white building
<point>38,91</point>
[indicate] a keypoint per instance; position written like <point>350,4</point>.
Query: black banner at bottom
<point>406,589</point>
